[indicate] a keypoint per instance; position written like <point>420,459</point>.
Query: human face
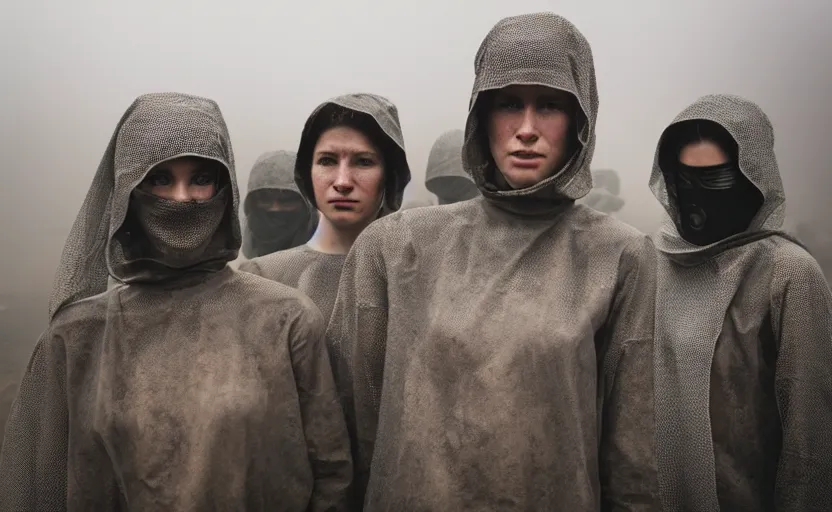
<point>184,179</point>
<point>348,177</point>
<point>528,132</point>
<point>276,200</point>
<point>702,153</point>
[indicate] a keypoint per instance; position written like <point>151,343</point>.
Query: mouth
<point>526,155</point>
<point>343,204</point>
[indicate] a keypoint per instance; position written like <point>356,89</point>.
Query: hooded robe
<point>189,386</point>
<point>445,176</point>
<point>263,233</point>
<point>743,348</point>
<point>495,354</point>
<point>316,273</point>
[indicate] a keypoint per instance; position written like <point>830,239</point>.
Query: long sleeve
<point>357,338</point>
<point>802,322</point>
<point>627,455</point>
<point>33,460</point>
<point>323,420</point>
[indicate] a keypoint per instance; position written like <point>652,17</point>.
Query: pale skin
<point>184,179</point>
<point>703,153</point>
<point>528,133</point>
<point>348,180</point>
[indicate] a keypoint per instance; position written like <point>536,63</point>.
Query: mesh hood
<point>274,170</point>
<point>386,115</point>
<point>445,159</point>
<point>543,49</point>
<point>157,127</point>
<point>754,135</point>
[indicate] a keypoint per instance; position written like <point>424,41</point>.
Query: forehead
<point>344,138</point>
<point>530,91</point>
<point>276,194</point>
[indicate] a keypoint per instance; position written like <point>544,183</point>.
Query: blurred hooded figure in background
<point>743,324</point>
<point>352,166</point>
<point>604,194</point>
<point>189,386</point>
<point>496,352</point>
<point>277,216</point>
<point>445,176</point>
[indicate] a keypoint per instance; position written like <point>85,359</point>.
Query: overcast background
<point>70,69</point>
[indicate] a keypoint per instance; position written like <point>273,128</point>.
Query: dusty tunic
<point>497,352</point>
<point>188,386</point>
<point>314,273</point>
<point>744,349</point>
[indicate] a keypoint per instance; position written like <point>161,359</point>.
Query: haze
<point>70,69</point>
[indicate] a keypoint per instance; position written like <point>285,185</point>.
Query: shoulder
<point>606,234</point>
<point>271,265</point>
<point>792,262</point>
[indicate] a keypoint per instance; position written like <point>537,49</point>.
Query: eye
<point>204,179</point>
<point>366,162</point>
<point>158,179</point>
<point>326,161</point>
<point>553,105</point>
<point>508,103</point>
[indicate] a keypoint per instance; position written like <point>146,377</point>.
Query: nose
<point>343,178</point>
<point>527,132</point>
<point>181,192</point>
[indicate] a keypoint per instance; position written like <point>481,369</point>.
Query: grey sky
<point>70,69</point>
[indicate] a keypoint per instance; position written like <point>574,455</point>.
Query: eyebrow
<point>337,151</point>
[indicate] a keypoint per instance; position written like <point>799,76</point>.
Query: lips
<point>342,203</point>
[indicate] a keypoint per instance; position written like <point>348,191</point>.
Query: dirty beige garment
<point>192,387</point>
<point>744,349</point>
<point>274,170</point>
<point>499,349</point>
<point>445,176</point>
<point>314,273</point>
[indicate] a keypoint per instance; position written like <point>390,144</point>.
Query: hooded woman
<point>496,352</point>
<point>743,326</point>
<point>445,176</point>
<point>278,217</point>
<point>352,166</point>
<point>190,386</point>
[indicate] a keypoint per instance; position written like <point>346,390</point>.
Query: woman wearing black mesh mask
<point>743,357</point>
<point>188,386</point>
<point>497,351</point>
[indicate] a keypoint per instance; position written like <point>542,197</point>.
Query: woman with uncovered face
<point>497,352</point>
<point>188,386</point>
<point>351,164</point>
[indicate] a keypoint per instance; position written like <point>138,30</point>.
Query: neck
<point>334,240</point>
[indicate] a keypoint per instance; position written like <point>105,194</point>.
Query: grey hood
<point>746,122</point>
<point>155,128</point>
<point>386,115</point>
<point>445,176</point>
<point>555,54</point>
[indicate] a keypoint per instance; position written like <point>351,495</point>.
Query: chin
<point>346,220</point>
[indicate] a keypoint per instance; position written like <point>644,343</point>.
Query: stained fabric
<point>604,195</point>
<point>743,357</point>
<point>189,386</point>
<point>268,232</point>
<point>495,353</point>
<point>445,176</point>
<point>313,272</point>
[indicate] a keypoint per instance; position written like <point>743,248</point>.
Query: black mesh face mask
<point>713,202</point>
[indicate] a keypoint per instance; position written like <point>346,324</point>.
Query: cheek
<point>556,129</point>
<point>320,182</point>
<point>501,128</point>
<point>371,180</point>
<point>204,193</point>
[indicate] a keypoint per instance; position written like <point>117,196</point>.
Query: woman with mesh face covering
<point>189,386</point>
<point>743,326</point>
<point>351,164</point>
<point>495,354</point>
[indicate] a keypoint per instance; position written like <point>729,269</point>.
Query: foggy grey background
<point>70,69</point>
